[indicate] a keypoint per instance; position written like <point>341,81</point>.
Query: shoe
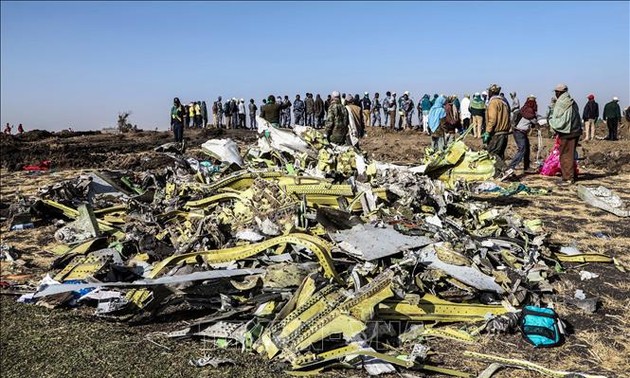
<point>531,171</point>
<point>507,174</point>
<point>565,182</point>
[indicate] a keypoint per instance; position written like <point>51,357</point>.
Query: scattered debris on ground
<point>311,255</point>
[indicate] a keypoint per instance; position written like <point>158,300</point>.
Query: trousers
<point>366,117</point>
<point>522,143</point>
<point>392,119</point>
<point>310,119</point>
<point>477,121</point>
<point>178,132</point>
<point>252,122</point>
<point>497,144</point>
<point>376,118</point>
<point>299,118</point>
<point>589,126</point>
<point>567,158</point>
<point>319,121</point>
<point>612,124</point>
<point>425,121</point>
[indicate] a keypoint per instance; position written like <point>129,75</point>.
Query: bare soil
<point>39,342</point>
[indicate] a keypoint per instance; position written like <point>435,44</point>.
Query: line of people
<point>490,115</point>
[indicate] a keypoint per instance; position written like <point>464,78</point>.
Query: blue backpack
<point>541,327</point>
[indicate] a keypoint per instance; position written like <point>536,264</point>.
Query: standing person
<point>204,114</point>
<point>402,120</point>
<point>191,114</point>
<point>477,111</point>
<point>376,110</point>
<point>527,118</point>
<point>498,123</point>
<point>227,111</point>
<point>484,96</point>
<point>337,121</point>
<point>452,122</point>
<point>217,112</point>
<point>272,110</point>
<point>252,114</point>
<point>590,116</point>
<point>319,108</point>
<point>286,112</point>
<point>198,115</point>
<point>386,105</point>
<point>7,129</point>
<point>435,97</point>
<point>298,110</point>
<point>391,109</point>
<point>309,104</point>
<point>241,114</point>
<point>366,105</point>
<point>407,107</point>
<point>20,129</point>
<point>437,123</point>
<point>426,107</point>
<point>565,121</point>
<point>178,111</point>
<point>234,106</point>
<point>464,113</point>
<point>515,109</point>
<point>327,105</point>
<point>356,122</point>
<point>612,116</point>
<point>456,103</point>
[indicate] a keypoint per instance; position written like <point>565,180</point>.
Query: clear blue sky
<point>80,63</point>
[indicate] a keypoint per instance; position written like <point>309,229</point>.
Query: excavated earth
<point>40,342</point>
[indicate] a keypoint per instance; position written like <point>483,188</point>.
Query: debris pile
<point>306,252</point>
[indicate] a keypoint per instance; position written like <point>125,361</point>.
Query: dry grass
<point>32,337</point>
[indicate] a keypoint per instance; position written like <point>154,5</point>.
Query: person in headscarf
<point>437,123</point>
<point>452,120</point>
<point>527,118</point>
<point>426,107</point>
<point>477,110</point>
<point>565,121</point>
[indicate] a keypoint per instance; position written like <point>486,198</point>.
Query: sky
<point>79,64</point>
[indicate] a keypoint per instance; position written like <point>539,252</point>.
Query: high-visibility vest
<point>197,109</point>
<point>191,111</point>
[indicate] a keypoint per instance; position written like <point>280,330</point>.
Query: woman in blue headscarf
<point>437,123</point>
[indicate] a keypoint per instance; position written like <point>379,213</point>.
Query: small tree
<point>123,125</point>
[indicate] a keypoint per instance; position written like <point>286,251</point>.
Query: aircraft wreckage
<point>309,253</point>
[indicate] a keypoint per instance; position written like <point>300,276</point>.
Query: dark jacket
<point>271,111</point>
<point>612,111</point>
<point>591,110</point>
<point>309,103</point>
<point>319,107</point>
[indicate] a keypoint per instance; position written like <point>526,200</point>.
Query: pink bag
<point>551,166</point>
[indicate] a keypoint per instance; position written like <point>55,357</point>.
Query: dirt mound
<point>93,149</point>
<point>611,162</point>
